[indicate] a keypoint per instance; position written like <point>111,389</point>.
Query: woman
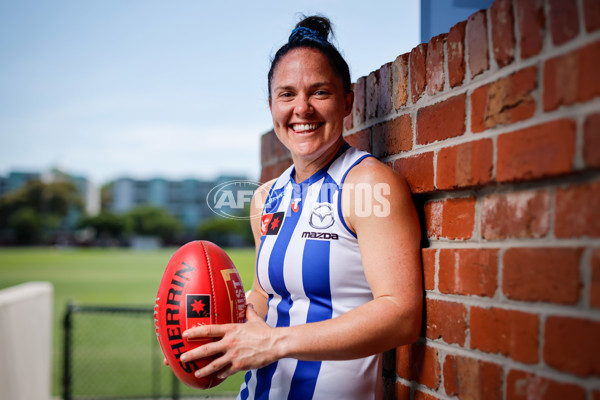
<point>338,276</point>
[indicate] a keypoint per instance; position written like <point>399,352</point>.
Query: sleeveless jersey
<point>309,264</point>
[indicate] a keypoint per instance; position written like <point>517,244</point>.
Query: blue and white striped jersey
<point>310,266</point>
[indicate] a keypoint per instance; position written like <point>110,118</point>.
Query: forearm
<point>258,300</point>
<point>372,328</point>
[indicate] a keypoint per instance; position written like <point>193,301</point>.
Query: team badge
<point>321,216</point>
<point>271,223</point>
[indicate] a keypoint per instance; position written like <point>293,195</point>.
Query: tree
<point>147,220</point>
<point>35,213</point>
<point>226,231</point>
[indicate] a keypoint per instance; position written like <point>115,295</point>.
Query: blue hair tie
<point>302,32</point>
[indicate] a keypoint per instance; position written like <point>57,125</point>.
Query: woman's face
<point>308,104</point>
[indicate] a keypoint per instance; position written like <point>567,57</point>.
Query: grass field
<point>117,277</point>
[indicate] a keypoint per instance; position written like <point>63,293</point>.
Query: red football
<point>200,286</point>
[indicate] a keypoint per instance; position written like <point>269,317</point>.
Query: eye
<point>321,93</point>
<point>286,94</point>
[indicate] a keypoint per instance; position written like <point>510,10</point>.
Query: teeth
<point>304,127</point>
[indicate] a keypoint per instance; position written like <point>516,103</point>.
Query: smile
<point>304,127</point>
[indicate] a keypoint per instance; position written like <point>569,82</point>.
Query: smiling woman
<point>338,277</point>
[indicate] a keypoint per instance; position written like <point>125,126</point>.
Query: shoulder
<point>372,172</point>
<point>260,195</point>
<point>372,192</point>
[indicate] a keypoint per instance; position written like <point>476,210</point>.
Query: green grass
<point>118,277</point>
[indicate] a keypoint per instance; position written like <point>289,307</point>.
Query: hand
<point>242,346</point>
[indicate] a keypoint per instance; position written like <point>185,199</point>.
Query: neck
<point>305,168</point>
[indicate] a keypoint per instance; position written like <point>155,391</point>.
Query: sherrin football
<point>200,286</point>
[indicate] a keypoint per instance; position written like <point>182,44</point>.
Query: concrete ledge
<point>26,341</point>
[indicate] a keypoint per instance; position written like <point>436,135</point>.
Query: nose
<point>303,106</point>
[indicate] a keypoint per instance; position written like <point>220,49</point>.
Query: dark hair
<point>313,32</point>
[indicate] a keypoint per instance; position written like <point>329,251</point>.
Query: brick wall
<point>496,127</point>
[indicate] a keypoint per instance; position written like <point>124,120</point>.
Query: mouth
<point>305,128</point>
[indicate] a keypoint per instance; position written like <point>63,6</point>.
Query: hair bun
<point>312,26</point>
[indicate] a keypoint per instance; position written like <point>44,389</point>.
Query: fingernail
<point>185,334</point>
<point>183,358</point>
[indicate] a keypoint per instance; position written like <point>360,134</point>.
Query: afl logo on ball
<point>321,216</point>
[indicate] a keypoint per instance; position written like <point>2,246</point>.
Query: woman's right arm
<point>257,296</point>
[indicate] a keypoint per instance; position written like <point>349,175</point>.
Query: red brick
<point>477,43</point>
<point>282,166</point>
<point>418,171</point>
<point>523,214</point>
<point>456,54</point>
<point>348,122</point>
<point>472,379</point>
<point>446,320</point>
<point>361,140</point>
<point>392,137</point>
<point>531,21</point>
<point>591,140</point>
<point>402,391</point>
<point>572,77</point>
<point>458,218</point>
<point>418,362</point>
<point>540,151</point>
<point>400,81</point>
<point>564,22</point>
<point>267,147</point>
<point>511,333</point>
<point>521,385</point>
<point>428,260</point>
<point>595,284</point>
<point>349,119</point>
<point>266,174</point>
<point>434,64</point>
<point>504,101</point>
<point>417,59</point>
<point>572,345</point>
<point>542,274</point>
<point>503,37</point>
<point>468,271</point>
<point>452,218</point>
<point>385,89</point>
<point>577,211</point>
<point>372,95</point>
<point>359,108</point>
<point>441,120</point>
<point>591,14</point>
<point>465,165</point>
<point>419,395</point>
<point>433,218</point>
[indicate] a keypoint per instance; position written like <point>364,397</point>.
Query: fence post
<point>67,352</point>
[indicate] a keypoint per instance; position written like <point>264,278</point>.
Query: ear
<point>270,104</point>
<point>349,99</point>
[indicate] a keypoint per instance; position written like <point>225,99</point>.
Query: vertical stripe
<point>315,277</point>
<point>244,392</point>
<point>276,277</point>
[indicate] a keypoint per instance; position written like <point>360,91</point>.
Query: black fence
<point>112,353</point>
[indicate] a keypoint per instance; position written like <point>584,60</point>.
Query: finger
<point>251,312</point>
<point>205,331</point>
<point>206,350</point>
<point>217,366</point>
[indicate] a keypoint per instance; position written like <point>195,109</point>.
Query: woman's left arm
<point>389,237</point>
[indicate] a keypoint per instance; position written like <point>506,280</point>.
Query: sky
<point>175,89</point>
